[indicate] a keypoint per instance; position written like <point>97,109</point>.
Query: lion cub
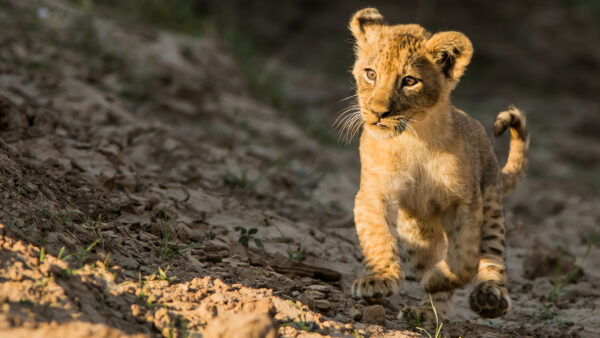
<point>429,177</point>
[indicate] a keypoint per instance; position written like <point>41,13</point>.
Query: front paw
<point>374,286</point>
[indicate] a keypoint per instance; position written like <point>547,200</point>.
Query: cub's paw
<point>374,286</point>
<point>489,300</point>
<point>434,281</point>
<point>418,315</point>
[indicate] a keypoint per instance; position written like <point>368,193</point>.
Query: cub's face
<point>401,71</point>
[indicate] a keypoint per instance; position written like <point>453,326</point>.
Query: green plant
<point>236,180</point>
<point>95,225</point>
<point>265,82</point>
<point>142,286</point>
<point>26,302</point>
<point>438,325</point>
<point>42,255</point>
<point>60,253</point>
<point>79,255</point>
<point>301,323</point>
<point>549,316</point>
<point>45,213</point>
<point>545,313</point>
<point>11,184</point>
<point>65,217</point>
<point>211,234</point>
<point>165,248</point>
<point>295,255</point>
<point>309,182</point>
<point>69,272</point>
<point>179,16</point>
<point>42,283</point>
<point>142,298</point>
<point>248,235</point>
<point>559,284</point>
<point>162,274</point>
<point>105,262</point>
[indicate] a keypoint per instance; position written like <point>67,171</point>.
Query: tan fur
<point>429,176</point>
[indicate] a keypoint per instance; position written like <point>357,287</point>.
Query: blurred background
<point>296,55</point>
<point>165,163</point>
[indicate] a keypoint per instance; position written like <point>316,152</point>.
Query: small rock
<point>542,287</point>
<point>542,261</point>
<point>354,313</point>
<point>135,310</point>
<point>242,325</point>
<point>306,280</point>
<point>319,288</point>
<point>238,251</point>
<point>310,297</point>
<point>374,314</point>
<point>322,304</point>
<point>580,290</point>
<point>264,306</point>
<point>314,294</point>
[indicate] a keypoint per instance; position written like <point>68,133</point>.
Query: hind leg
<point>490,297</point>
<point>462,225</point>
<point>443,302</point>
<point>423,242</point>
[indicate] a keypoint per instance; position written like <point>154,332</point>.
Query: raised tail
<point>513,171</point>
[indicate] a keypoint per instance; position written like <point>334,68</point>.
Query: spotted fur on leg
<point>490,296</point>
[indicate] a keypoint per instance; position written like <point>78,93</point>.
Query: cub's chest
<point>418,183</point>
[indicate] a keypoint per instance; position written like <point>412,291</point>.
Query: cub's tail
<point>513,171</point>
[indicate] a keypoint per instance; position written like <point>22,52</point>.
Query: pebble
<point>135,310</point>
<point>241,325</point>
<point>319,288</point>
<point>354,313</point>
<point>374,314</point>
<point>322,304</point>
<point>314,295</point>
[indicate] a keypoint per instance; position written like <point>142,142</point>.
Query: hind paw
<point>418,315</point>
<point>489,300</point>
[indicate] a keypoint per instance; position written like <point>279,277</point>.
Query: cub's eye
<point>409,81</point>
<point>370,74</point>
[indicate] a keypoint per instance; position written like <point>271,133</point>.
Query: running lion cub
<point>429,176</point>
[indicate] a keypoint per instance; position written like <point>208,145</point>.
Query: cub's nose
<point>381,113</point>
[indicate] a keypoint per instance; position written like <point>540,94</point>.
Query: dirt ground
<point>133,160</point>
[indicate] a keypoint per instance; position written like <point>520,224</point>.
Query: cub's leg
<point>382,272</point>
<point>462,225</point>
<point>490,297</point>
<point>423,243</point>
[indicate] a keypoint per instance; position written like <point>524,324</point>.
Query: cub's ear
<point>363,23</point>
<point>451,51</point>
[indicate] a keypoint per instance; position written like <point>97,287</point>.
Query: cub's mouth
<point>391,126</point>
<point>393,122</point>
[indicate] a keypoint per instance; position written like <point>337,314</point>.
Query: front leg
<point>382,272</point>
